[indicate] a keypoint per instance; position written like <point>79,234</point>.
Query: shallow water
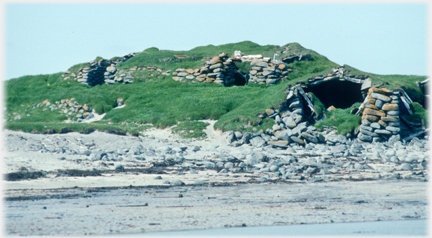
<point>393,228</point>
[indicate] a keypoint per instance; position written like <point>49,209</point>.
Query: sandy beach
<point>100,183</point>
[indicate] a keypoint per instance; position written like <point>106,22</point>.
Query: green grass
<point>419,114</point>
<point>198,55</point>
<point>406,82</point>
<point>190,129</point>
<point>342,119</point>
<point>58,127</point>
<point>159,100</point>
<point>318,107</point>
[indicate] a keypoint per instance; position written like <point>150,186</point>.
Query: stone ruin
<point>264,72</point>
<point>102,71</point>
<point>293,57</point>
<point>382,113</point>
<point>220,69</point>
<point>381,110</point>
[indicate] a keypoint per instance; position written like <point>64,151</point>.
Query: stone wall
<point>380,116</point>
<point>293,57</point>
<point>220,69</point>
<point>292,125</point>
<point>264,72</point>
<point>100,71</point>
<point>338,73</point>
<point>381,111</point>
<point>94,74</point>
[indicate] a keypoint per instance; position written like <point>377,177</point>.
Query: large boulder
<point>284,135</point>
<point>246,137</point>
<point>254,158</point>
<point>257,141</point>
<point>230,136</point>
<point>289,122</point>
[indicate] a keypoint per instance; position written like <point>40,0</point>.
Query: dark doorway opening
<point>340,94</point>
<point>240,80</point>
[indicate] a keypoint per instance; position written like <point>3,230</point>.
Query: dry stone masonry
<point>102,71</point>
<point>380,117</point>
<point>382,113</point>
<point>264,72</point>
<point>93,75</point>
<point>292,126</point>
<point>338,73</point>
<point>220,69</point>
<point>293,57</point>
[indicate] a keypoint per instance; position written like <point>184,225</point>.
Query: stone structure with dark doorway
<point>222,70</point>
<point>101,71</point>
<point>338,89</point>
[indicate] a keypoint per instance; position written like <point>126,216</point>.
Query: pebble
<point>394,176</point>
<point>223,171</point>
<point>295,162</point>
<point>228,165</point>
<point>201,182</point>
<point>177,182</point>
<point>193,171</point>
<point>405,166</point>
<point>274,168</point>
<point>317,179</point>
<point>311,170</point>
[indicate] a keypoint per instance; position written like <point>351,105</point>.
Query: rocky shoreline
<point>45,167</point>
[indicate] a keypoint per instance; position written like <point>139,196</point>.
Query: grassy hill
<point>158,99</point>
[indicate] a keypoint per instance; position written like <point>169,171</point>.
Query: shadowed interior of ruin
<point>340,94</point>
<point>239,79</point>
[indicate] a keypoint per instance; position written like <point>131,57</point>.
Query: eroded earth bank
<point>100,183</point>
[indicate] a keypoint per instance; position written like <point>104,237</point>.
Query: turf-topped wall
<point>263,72</point>
<point>220,69</point>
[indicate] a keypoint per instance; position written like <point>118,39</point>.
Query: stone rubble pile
<point>220,69</point>
<point>265,72</point>
<point>380,117</point>
<point>73,109</point>
<point>291,127</point>
<point>70,107</point>
<point>346,160</point>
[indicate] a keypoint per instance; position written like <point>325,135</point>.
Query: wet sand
<point>102,211</point>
